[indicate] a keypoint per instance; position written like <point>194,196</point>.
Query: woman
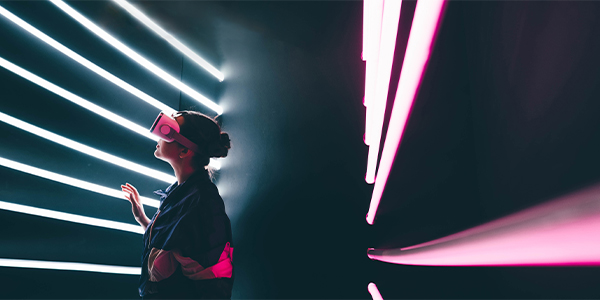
<point>188,243</point>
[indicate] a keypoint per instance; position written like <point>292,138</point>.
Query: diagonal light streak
<point>72,181</point>
<point>30,210</point>
<point>86,63</point>
<point>169,38</point>
<point>563,232</point>
<point>68,266</point>
<point>136,57</point>
<point>86,149</point>
<point>420,41</point>
<point>76,99</point>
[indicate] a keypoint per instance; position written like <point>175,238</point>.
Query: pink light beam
<point>563,232</point>
<point>375,10</point>
<point>387,46</point>
<point>374,291</point>
<point>422,33</point>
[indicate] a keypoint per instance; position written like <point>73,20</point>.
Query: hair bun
<point>225,141</point>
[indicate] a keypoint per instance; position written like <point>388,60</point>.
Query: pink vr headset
<point>167,128</point>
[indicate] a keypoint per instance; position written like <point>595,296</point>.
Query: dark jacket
<point>188,245</point>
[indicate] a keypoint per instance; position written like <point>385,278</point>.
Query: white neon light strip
<point>420,41</point>
<point>88,105</point>
<point>68,266</point>
<point>136,57</point>
<point>76,99</point>
<point>30,210</point>
<point>169,38</point>
<point>374,291</point>
<point>86,63</point>
<point>72,181</point>
<point>86,149</point>
<point>387,46</point>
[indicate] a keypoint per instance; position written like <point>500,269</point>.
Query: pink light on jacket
<point>420,41</point>
<point>564,232</point>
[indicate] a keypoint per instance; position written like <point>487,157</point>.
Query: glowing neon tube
<point>30,210</point>
<point>365,51</point>
<point>68,266</point>
<point>72,181</point>
<point>136,57</point>
<point>374,291</point>
<point>86,63</point>
<point>76,99</point>
<point>387,46</point>
<point>563,232</point>
<point>420,41</point>
<point>375,18</point>
<point>169,38</point>
<point>92,107</point>
<point>86,149</point>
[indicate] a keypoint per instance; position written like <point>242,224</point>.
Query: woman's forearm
<point>144,222</point>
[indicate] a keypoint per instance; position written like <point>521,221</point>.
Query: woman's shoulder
<point>205,195</point>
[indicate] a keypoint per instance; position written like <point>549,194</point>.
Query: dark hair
<point>206,133</point>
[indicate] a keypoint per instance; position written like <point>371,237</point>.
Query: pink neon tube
<point>387,46</point>
<point>366,4</point>
<point>564,232</point>
<point>375,19</point>
<point>374,291</point>
<point>420,41</point>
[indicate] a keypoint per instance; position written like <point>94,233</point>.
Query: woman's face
<point>166,151</point>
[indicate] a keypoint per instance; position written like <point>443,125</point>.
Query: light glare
<point>136,57</point>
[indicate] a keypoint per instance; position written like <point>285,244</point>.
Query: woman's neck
<point>183,173</point>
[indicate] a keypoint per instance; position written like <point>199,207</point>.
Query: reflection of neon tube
<point>376,110</point>
<point>69,266</point>
<point>136,57</point>
<point>420,41</point>
<point>86,149</point>
<point>86,63</point>
<point>72,181</point>
<point>563,232</point>
<point>77,100</point>
<point>169,38</point>
<point>374,291</point>
<point>70,217</point>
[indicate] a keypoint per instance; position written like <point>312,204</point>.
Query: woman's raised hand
<point>137,207</point>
